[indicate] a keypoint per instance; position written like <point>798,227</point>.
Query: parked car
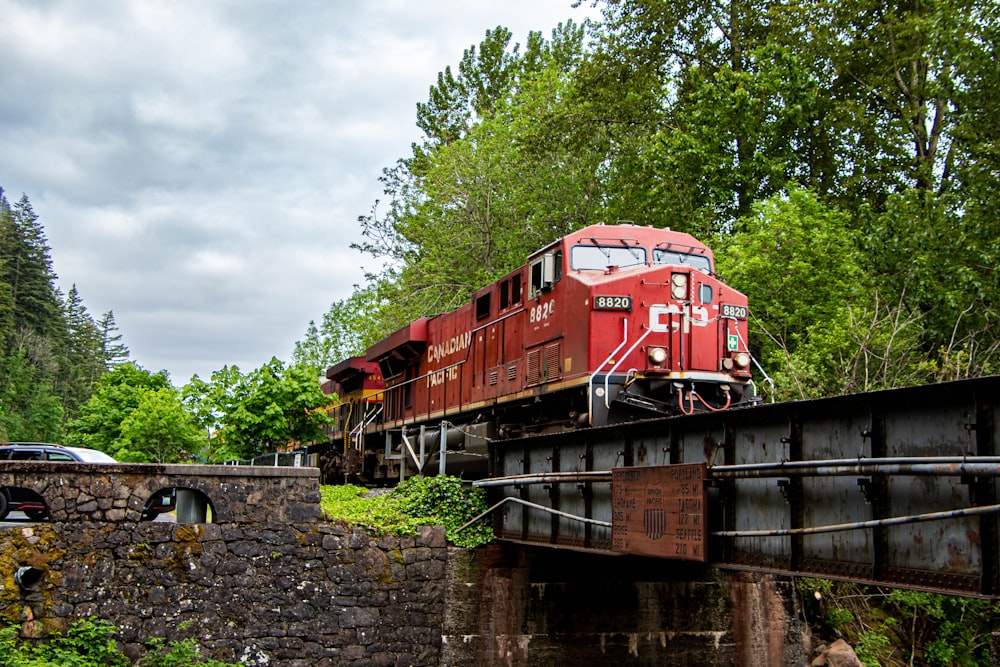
<point>44,451</point>
<point>29,502</point>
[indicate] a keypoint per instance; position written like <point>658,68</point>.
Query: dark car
<point>29,502</point>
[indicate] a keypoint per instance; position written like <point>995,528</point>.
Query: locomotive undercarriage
<point>467,435</point>
<point>655,397</point>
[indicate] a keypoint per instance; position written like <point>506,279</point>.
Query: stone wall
<point>277,594</point>
<point>115,493</point>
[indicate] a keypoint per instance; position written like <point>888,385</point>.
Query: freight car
<point>607,324</point>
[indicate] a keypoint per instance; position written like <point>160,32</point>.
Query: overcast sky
<point>199,166</point>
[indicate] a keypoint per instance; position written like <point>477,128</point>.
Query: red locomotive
<point>609,323</point>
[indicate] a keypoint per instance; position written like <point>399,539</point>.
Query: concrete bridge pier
<point>510,605</point>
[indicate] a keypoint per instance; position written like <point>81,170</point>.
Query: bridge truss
<point>896,487</point>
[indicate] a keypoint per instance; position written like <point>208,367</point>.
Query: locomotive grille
<point>511,372</point>
<point>534,366</point>
<point>552,354</point>
<point>493,377</point>
<point>543,365</point>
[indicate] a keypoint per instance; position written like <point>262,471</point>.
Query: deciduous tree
<point>263,411</point>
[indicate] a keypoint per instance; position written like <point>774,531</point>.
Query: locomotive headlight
<point>679,286</point>
<point>657,356</point>
<point>742,360</point>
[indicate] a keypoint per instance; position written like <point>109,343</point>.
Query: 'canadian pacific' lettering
<point>449,346</point>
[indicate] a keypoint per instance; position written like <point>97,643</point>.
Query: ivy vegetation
<point>418,501</point>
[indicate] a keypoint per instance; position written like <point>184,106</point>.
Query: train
<point>608,324</point>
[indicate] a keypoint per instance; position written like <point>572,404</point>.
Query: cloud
<point>199,167</point>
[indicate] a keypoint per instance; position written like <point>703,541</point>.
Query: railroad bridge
<point>897,487</point>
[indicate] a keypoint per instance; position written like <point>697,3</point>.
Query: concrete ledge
<point>200,470</point>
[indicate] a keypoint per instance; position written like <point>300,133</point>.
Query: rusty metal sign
<point>660,511</point>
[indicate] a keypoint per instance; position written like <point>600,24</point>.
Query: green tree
<point>797,264</point>
<point>486,75</point>
<point>51,350</point>
<point>29,408</point>
<point>267,409</point>
<point>505,169</point>
<point>28,271</point>
<point>7,233</point>
<point>82,364</point>
<point>31,328</point>
<point>117,395</point>
<point>159,430</point>
<point>113,351</point>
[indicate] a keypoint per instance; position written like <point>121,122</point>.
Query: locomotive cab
<point>666,336</point>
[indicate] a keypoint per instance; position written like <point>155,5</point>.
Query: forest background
<point>842,159</point>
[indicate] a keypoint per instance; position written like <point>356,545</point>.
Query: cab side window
<point>545,272</point>
<point>510,292</point>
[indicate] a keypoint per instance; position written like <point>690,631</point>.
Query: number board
<point>739,312</point>
<point>612,303</point>
<point>660,511</point>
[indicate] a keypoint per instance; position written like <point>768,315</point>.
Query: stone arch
<point>179,504</point>
<point>209,492</point>
<point>161,502</point>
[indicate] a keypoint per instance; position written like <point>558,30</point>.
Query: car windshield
<point>92,456</point>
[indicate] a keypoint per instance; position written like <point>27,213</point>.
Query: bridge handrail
<point>977,466</point>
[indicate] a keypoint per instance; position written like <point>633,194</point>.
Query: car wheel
<point>3,505</point>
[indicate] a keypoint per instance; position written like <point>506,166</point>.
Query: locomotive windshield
<point>599,256</point>
<point>663,256</point>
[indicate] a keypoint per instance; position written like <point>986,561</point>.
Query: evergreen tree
<point>51,350</point>
<point>113,351</point>
<point>28,269</point>
<point>76,380</point>
<point>32,328</point>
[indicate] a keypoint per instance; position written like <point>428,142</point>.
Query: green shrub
<point>87,643</point>
<point>890,627</point>
<point>441,501</point>
<point>177,654</point>
<point>90,643</point>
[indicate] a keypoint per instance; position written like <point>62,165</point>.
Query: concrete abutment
<point>515,606</point>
